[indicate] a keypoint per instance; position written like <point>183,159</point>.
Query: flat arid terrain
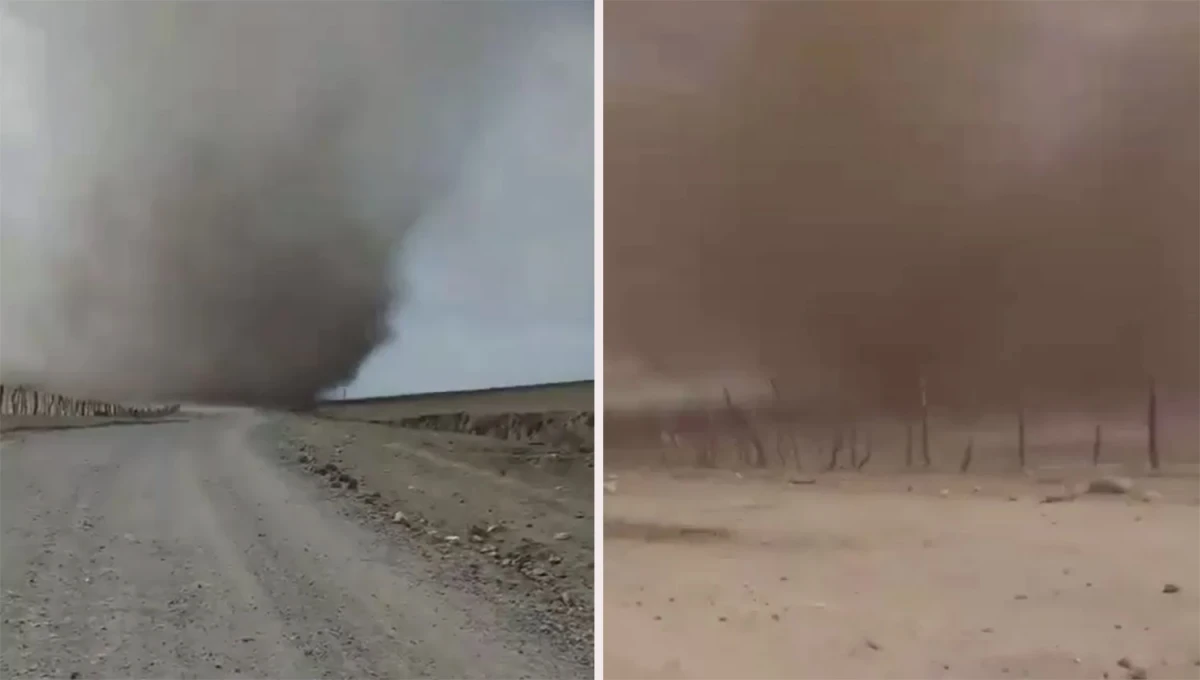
<point>722,574</point>
<point>244,544</point>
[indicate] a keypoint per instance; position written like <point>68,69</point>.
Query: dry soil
<point>721,575</point>
<point>213,548</point>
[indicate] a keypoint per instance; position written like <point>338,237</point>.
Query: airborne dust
<point>204,201</point>
<point>1001,198</point>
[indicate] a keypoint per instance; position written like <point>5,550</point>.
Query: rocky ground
<point>243,545</point>
<point>519,515</point>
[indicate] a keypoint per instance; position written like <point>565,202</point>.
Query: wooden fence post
<point>1152,426</point>
<point>925,423</point>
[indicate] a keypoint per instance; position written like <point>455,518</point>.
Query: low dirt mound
<point>651,532</point>
<point>570,430</point>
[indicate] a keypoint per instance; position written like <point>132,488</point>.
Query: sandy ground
<point>204,549</point>
<point>883,576</point>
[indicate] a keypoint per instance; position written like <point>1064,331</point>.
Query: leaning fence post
<point>1021,434</point>
<point>1152,425</point>
<point>925,423</point>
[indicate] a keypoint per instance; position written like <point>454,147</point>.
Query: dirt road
<point>196,550</point>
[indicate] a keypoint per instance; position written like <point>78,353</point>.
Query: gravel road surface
<point>188,550</point>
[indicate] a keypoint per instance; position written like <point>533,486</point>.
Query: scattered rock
<point>1170,588</point>
<point>1020,596</point>
<point>976,489</point>
<point>302,459</point>
<point>452,539</point>
<point>1124,662</point>
<point>1060,497</point>
<point>1138,673</point>
<point>1013,499</point>
<point>1110,485</point>
<point>400,518</point>
<point>562,536</point>
<point>988,630</point>
<point>872,644</point>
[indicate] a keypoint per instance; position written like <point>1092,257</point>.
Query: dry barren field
<point>891,574</point>
<point>558,397</point>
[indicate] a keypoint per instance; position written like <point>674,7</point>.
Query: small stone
<point>1020,597</point>
<point>944,493</point>
<point>872,644</point>
<point>1170,588</point>
<point>1124,662</point>
<point>1110,485</point>
<point>562,536</point>
<point>722,619</point>
<point>400,518</point>
<point>1138,673</point>
<point>1012,499</point>
<point>976,489</point>
<point>452,539</point>
<point>988,630</point>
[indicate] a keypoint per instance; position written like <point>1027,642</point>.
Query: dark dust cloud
<point>1001,197</point>
<point>207,200</point>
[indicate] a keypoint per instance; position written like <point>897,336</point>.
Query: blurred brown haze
<point>843,198</point>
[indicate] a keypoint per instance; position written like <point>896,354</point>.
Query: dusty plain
<point>887,573</point>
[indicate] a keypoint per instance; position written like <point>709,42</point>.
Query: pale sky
<point>515,305</point>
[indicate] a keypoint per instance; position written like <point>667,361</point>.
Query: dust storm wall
<point>1000,198</point>
<point>207,201</point>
